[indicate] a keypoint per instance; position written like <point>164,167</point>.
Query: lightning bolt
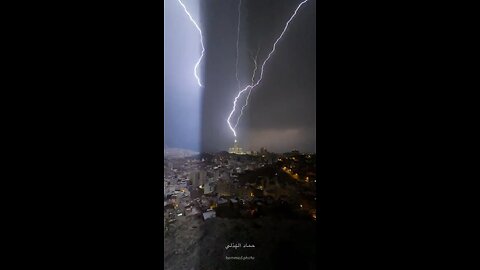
<point>195,72</point>
<point>255,62</point>
<point>251,86</point>
<point>249,92</point>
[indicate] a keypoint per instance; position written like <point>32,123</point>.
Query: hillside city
<point>230,187</point>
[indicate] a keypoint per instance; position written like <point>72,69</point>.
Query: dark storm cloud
<point>302,139</point>
<point>281,111</point>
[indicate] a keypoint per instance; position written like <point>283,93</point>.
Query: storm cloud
<point>281,111</point>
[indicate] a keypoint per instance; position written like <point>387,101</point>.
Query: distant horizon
<point>226,150</point>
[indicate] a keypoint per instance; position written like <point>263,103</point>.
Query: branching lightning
<point>250,91</point>
<point>255,62</point>
<point>195,70</point>
<point>251,86</point>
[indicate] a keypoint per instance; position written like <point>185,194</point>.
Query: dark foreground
<point>260,243</point>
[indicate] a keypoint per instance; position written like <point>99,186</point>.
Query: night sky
<point>281,111</point>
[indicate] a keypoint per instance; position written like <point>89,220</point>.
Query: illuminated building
<point>236,149</point>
